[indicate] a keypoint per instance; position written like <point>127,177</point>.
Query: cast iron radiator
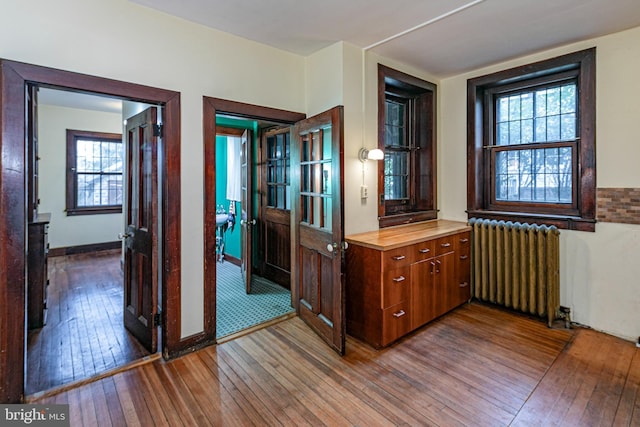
<point>516,265</point>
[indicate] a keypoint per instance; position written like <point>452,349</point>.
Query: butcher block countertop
<point>389,238</point>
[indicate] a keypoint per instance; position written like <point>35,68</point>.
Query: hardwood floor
<point>84,334</point>
<point>476,366</point>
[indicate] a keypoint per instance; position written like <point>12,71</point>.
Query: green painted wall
<point>232,237</point>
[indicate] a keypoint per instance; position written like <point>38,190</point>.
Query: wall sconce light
<point>375,154</point>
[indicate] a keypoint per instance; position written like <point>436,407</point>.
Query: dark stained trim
<point>478,199</point>
<point>423,169</point>
<point>83,249</point>
<point>211,107</point>
<point>13,78</point>
<point>13,225</point>
<point>73,135</point>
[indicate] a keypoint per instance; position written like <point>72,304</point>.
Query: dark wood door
<point>275,206</point>
<point>141,244</point>
<point>317,287</point>
<point>247,222</point>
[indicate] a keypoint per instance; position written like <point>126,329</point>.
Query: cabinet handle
<point>399,279</point>
<point>433,264</point>
<point>398,257</point>
<point>445,245</point>
<point>463,257</point>
<point>399,314</point>
<point>464,285</point>
<point>438,266</point>
<point>424,251</point>
<point>464,240</point>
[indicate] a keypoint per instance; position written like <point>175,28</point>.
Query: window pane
<point>539,115</point>
<point>396,165</point>
<point>514,132</point>
<point>553,128</point>
<point>503,133</point>
<point>540,175</point>
<point>271,196</point>
<point>305,179</point>
<point>553,101</point>
<point>395,126</point>
<point>327,213</point>
<point>526,100</point>
<point>99,167</point>
<point>568,126</point>
<point>527,131</point>
<point>565,174</point>
<point>326,178</point>
<point>280,197</point>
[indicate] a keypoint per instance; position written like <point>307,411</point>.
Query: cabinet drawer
<point>424,250</point>
<point>463,242</point>
<point>445,245</point>
<point>396,258</point>
<point>396,286</point>
<point>396,322</point>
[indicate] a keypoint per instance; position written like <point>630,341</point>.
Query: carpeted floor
<point>236,310</point>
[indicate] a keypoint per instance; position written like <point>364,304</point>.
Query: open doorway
<point>247,297</point>
<point>221,114</point>
<point>317,212</point>
<point>15,79</point>
<point>77,321</point>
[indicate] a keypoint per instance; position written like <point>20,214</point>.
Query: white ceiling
<point>459,35</point>
<point>82,101</point>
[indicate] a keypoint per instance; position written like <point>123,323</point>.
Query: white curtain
<point>233,168</point>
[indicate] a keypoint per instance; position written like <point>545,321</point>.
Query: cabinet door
<point>423,292</point>
<point>446,286</point>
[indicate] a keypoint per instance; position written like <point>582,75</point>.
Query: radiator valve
<point>565,314</point>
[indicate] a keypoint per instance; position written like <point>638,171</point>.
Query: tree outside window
<point>531,143</point>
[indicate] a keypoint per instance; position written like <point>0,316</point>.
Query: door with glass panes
<point>275,207</point>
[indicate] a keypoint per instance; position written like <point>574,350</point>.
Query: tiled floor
<point>235,310</point>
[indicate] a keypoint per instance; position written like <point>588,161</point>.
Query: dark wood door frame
<point>13,79</point>
<point>211,107</point>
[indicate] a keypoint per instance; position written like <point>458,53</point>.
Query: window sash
<point>539,174</point>
<point>535,195</point>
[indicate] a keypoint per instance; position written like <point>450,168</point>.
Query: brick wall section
<point>620,205</point>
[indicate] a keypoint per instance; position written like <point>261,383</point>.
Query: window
<point>531,143</point>
<point>406,117</point>
<point>277,169</point>
<point>94,172</point>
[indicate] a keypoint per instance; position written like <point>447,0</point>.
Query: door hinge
<point>157,319</point>
<point>157,129</point>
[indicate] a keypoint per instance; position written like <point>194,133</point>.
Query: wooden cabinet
<point>400,278</point>
<point>37,275</point>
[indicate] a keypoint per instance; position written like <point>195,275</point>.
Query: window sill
<point>406,218</point>
<point>95,211</point>
<point>562,222</point>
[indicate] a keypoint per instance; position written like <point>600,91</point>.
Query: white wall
<point>121,40</point>
<point>75,230</point>
<point>362,215</point>
<point>125,41</point>
<point>600,272</point>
